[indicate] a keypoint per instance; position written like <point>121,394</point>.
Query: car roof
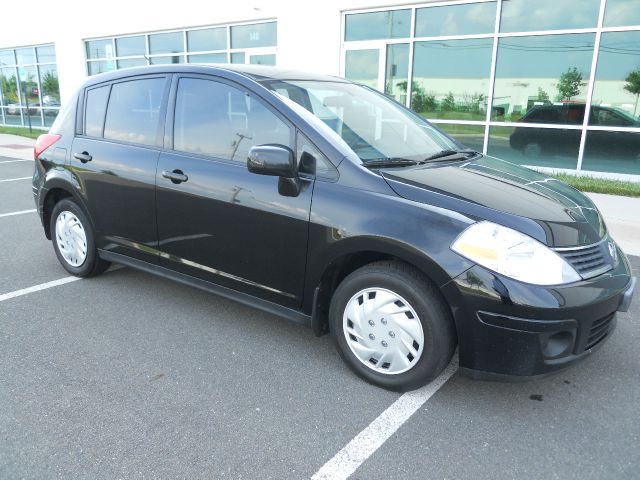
<point>258,73</point>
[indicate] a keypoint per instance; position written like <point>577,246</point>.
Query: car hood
<point>491,189</point>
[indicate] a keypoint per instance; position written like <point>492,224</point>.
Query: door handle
<point>84,157</point>
<point>177,176</point>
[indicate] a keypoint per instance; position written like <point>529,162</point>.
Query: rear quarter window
<point>94,111</point>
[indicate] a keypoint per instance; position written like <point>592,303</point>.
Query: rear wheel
<point>391,326</point>
<point>532,150</point>
<point>74,240</point>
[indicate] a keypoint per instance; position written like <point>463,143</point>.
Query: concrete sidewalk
<point>622,214</point>
<point>14,146</point>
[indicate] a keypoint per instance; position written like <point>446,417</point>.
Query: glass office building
<point>29,89</point>
<point>253,43</point>
<point>545,83</point>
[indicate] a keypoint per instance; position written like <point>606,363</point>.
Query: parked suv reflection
<point>535,142</point>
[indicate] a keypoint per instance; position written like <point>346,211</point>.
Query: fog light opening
<point>558,344</point>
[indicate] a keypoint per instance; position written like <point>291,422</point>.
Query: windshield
<point>374,126</point>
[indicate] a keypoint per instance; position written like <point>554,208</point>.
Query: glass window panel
<point>99,49</point>
<point>94,111</point>
<point>376,25</point>
<point>128,46</point>
<point>362,66</point>
<point>471,136</point>
<point>397,71</point>
<point>612,152</point>
<point>50,85</point>
<point>209,58</point>
<point>171,42</point>
<point>166,60</point>
<point>50,115</point>
<point>28,77</point>
<point>262,59</point>
<point>528,15</point>
<point>7,58</point>
<point>101,66</point>
<point>216,119</point>
<point>26,56</point>
<point>451,78</point>
<point>543,147</point>
<point>621,13</point>
<point>132,62</point>
<point>207,39</point>
<point>465,19</point>
<point>12,116</point>
<point>537,71</point>
<point>255,35</point>
<point>237,57</point>
<point>617,85</point>
<point>9,85</point>
<point>46,54</point>
<point>32,116</point>
<point>134,111</point>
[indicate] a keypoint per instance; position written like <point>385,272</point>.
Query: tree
<point>449,102</point>
<point>542,95</point>
<point>633,86</point>
<point>420,101</point>
<point>50,84</point>
<point>569,84</point>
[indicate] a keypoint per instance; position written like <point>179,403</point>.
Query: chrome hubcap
<point>71,239</point>
<point>383,331</point>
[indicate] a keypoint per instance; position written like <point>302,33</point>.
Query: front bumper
<point>507,329</point>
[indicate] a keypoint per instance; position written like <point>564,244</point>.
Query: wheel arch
<point>57,190</point>
<point>358,253</point>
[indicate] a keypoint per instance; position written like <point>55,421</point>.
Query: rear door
<point>222,223</point>
<point>115,159</point>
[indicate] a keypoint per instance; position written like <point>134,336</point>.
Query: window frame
<point>171,110</point>
<point>162,114</point>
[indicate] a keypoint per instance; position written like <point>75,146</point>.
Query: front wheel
<point>392,326</point>
<point>74,241</point>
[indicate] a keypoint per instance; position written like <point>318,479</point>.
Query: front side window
<point>134,111</point>
<point>372,125</point>
<point>218,120</point>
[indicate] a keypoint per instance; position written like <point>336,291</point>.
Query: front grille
<point>588,261</point>
<point>599,331</point>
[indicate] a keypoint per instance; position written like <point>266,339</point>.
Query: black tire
<point>431,308</point>
<point>93,264</point>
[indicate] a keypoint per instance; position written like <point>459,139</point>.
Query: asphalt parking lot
<point>132,376</point>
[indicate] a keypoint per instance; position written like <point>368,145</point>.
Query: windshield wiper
<point>389,162</point>
<point>451,155</point>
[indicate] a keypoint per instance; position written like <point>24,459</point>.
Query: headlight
<point>513,254</point>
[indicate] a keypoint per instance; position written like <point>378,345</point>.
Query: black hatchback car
<point>327,203</point>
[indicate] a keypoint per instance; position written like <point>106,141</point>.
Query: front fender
<point>347,221</point>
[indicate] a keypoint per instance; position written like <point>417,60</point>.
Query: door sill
<point>246,299</point>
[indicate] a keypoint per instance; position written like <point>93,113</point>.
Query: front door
<point>216,220</point>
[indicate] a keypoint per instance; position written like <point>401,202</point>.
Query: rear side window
<point>134,111</point>
<point>216,119</point>
<point>543,115</point>
<point>94,111</point>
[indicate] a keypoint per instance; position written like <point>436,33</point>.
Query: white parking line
<point>363,445</point>
<point>37,288</point>
<point>10,214</point>
<point>14,179</point>
<point>13,161</point>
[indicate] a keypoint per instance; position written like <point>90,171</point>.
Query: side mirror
<point>275,160</point>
